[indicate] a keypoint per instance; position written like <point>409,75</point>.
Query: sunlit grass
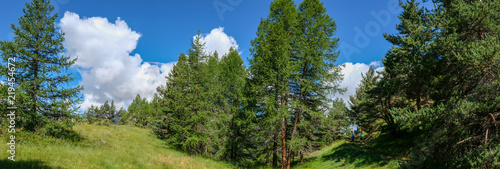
<point>105,147</point>
<point>345,154</point>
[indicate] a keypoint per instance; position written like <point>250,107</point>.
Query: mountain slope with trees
<point>436,102</point>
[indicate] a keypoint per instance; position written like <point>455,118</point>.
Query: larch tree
<point>41,68</point>
<point>233,78</point>
<point>188,108</point>
<point>314,54</point>
<point>105,114</point>
<point>139,113</point>
<point>271,69</point>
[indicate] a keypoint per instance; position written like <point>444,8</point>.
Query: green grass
<point>381,152</point>
<point>118,146</point>
<point>103,147</point>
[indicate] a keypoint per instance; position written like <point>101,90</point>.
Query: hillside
<point>102,147</point>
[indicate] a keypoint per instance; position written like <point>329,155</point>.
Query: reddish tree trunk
<point>283,138</point>
<point>283,133</point>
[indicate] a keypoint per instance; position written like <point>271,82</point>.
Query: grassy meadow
<point>115,146</point>
<point>122,146</point>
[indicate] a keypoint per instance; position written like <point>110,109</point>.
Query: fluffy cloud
<point>218,41</point>
<point>352,77</point>
<point>109,71</point>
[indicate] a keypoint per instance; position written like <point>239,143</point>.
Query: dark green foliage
<point>410,62</point>
<point>271,69</point>
<point>291,73</point>
<point>365,107</point>
<point>59,129</point>
<point>43,94</point>
<point>442,81</point>
<point>335,119</point>
<point>187,101</point>
<point>467,89</point>
<point>234,128</point>
<point>203,99</point>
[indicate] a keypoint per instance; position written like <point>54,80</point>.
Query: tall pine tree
<point>410,61</point>
<point>233,77</point>
<point>317,76</point>
<point>271,70</point>
<point>41,68</point>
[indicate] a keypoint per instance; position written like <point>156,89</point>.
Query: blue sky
<point>167,27</point>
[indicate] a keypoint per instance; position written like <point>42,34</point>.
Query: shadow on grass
<point>356,153</point>
<point>71,136</point>
<point>66,137</point>
<point>383,150</point>
<point>8,164</point>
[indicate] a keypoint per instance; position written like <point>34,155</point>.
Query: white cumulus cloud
<point>109,70</point>
<point>218,41</point>
<point>352,77</point>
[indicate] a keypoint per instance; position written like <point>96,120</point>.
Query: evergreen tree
<point>410,61</point>
<point>335,119</point>
<point>139,113</point>
<point>272,68</point>
<point>467,85</point>
<point>292,72</point>
<point>106,114</point>
<point>233,77</point>
<point>365,110</point>
<point>317,76</point>
<point>175,102</point>
<point>448,55</point>
<point>40,68</point>
<point>187,99</point>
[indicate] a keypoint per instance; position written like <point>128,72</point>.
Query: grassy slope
<point>132,147</point>
<point>381,152</point>
<point>105,147</point>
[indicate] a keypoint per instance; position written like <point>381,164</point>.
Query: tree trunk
<point>275,156</point>
<point>283,139</point>
<point>35,85</point>
<point>297,115</point>
<point>289,158</point>
<point>283,133</point>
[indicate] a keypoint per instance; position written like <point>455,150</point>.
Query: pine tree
<point>106,114</point>
<point>233,77</point>
<point>272,68</point>
<point>317,76</point>
<point>139,113</point>
<point>410,61</point>
<point>40,68</point>
<point>187,99</point>
<point>365,107</point>
<point>174,98</point>
<point>467,85</point>
<point>450,56</point>
<point>335,119</point>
